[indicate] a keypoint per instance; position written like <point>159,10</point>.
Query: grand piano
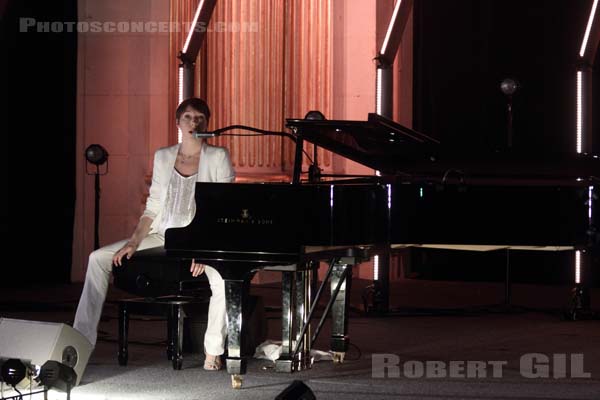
<point>424,195</point>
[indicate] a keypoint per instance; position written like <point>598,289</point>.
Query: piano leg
<point>302,292</point>
<point>285,361</point>
<point>235,294</point>
<point>339,310</point>
<point>296,303</point>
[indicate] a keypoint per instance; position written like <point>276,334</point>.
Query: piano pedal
<point>338,357</point>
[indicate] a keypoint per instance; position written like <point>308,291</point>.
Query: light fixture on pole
<point>586,56</point>
<point>384,96</point>
<point>190,50</point>
<point>384,86</point>
<point>96,155</point>
<point>509,86</point>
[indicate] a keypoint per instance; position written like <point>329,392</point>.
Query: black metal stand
<point>96,208</point>
<point>509,122</point>
<point>580,295</point>
<point>97,174</point>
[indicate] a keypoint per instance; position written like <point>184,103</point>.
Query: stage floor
<point>443,341</point>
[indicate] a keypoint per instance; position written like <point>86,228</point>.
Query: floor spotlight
<point>296,391</point>
<point>96,155</point>
<point>13,371</point>
<point>58,376</point>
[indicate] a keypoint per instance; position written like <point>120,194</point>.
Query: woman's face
<point>192,120</point>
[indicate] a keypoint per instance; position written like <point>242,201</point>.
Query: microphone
<point>200,135</point>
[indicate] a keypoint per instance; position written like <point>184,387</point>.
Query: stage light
<point>297,390</point>
<point>96,154</point>
<point>588,29</point>
<point>579,113</point>
<point>13,371</point>
<point>315,115</point>
<point>577,267</point>
<point>379,92</point>
<point>193,26</point>
<point>509,86</point>
<point>58,376</point>
<point>179,100</point>
<point>584,91</point>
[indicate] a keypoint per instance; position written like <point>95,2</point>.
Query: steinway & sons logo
<point>245,218</point>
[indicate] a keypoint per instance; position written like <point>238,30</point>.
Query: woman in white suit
<point>170,204</point>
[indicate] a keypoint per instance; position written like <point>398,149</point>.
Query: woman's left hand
<point>197,268</point>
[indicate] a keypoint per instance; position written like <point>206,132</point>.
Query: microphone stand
<point>296,139</point>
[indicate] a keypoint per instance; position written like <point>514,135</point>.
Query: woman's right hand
<point>127,250</point>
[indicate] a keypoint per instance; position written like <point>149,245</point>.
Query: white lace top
<point>180,205</point>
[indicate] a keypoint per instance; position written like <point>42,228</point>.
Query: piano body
<point>426,196</point>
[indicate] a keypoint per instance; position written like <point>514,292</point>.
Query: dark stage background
<point>463,50</point>
<point>38,141</point>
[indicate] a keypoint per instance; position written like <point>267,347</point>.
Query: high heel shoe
<point>212,363</point>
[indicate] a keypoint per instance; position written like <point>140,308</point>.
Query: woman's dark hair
<point>197,104</point>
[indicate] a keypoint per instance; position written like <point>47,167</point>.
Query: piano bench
<point>174,308</point>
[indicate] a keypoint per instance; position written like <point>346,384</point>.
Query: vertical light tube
<point>590,204</point>
<point>388,33</point>
<point>376,268</point>
<point>577,267</point>
<point>180,99</point>
<point>579,112</point>
<point>193,27</point>
<point>588,29</point>
<point>379,92</point>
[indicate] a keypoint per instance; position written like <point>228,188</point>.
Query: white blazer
<point>214,166</point>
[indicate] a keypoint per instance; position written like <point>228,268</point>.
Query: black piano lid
<point>384,145</point>
<point>375,143</point>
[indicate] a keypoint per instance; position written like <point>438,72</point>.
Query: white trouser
<point>95,287</point>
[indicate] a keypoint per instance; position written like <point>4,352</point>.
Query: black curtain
<point>465,48</point>
<point>38,125</point>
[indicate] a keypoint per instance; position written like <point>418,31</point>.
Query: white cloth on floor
<point>271,350</point>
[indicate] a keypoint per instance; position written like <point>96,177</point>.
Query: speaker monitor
<point>38,342</point>
<point>297,390</point>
